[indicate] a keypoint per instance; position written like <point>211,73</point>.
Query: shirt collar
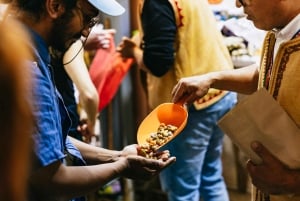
<point>40,45</point>
<point>289,30</point>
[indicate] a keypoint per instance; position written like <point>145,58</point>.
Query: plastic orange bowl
<point>215,1</point>
<point>168,113</point>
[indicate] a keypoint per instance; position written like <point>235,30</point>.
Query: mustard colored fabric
<point>284,82</point>
<point>199,49</point>
<point>284,85</point>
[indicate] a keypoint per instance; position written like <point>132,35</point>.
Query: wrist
<point>116,156</point>
<point>212,78</point>
<point>91,124</point>
<point>137,53</point>
<point>120,166</point>
<point>107,156</point>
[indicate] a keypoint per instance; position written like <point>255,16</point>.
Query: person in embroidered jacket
<point>181,38</point>
<point>56,24</point>
<point>279,72</point>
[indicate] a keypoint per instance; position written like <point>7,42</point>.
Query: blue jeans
<point>198,167</point>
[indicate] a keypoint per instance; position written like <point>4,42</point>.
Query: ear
<point>55,8</point>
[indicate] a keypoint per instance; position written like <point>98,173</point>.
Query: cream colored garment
<point>199,49</point>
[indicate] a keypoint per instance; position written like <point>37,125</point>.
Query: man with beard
<point>56,24</point>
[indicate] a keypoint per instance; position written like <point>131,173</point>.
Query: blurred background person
<point>180,38</point>
<point>75,85</point>
<point>16,118</point>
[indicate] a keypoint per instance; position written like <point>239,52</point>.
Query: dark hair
<point>37,7</point>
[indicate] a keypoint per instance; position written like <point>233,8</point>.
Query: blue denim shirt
<point>52,119</point>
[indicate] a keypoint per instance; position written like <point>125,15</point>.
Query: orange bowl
<point>167,113</point>
<point>215,1</point>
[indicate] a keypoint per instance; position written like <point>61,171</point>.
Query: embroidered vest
<point>199,49</point>
<point>284,85</point>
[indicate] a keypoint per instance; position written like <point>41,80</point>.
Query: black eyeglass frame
<point>92,22</point>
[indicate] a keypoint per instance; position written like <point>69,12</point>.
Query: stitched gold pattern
<point>282,66</point>
<point>180,20</point>
<point>211,97</point>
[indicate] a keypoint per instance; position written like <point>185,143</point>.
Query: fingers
<point>103,31</point>
<point>168,162</point>
<point>86,132</point>
<point>183,93</point>
<point>159,165</point>
<point>110,31</point>
<point>163,155</point>
<point>262,152</point>
<point>175,89</point>
<point>144,168</point>
<point>178,92</point>
<point>154,164</point>
<point>104,43</point>
<point>183,97</point>
<point>251,167</point>
<point>121,44</point>
<point>191,97</point>
<point>260,173</point>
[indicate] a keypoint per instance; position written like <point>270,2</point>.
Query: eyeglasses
<point>90,16</point>
<point>88,22</point>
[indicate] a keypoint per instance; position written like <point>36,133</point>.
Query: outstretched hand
<point>139,167</point>
<point>99,38</point>
<point>87,131</point>
<point>189,89</point>
<point>272,176</point>
<point>126,47</point>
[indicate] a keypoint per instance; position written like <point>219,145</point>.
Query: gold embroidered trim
<point>178,14</point>
<point>282,66</point>
<point>264,60</point>
<point>211,97</point>
<point>278,68</point>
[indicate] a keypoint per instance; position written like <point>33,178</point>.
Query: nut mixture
<point>164,134</point>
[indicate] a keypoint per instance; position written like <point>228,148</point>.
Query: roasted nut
<point>164,134</point>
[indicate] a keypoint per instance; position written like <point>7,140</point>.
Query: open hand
<point>139,167</point>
